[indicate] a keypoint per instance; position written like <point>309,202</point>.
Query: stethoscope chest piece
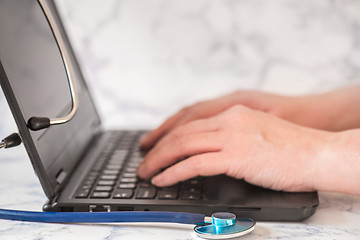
<point>225,225</point>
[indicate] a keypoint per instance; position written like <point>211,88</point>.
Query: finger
<point>152,137</point>
<point>176,150</point>
<point>196,126</point>
<point>206,164</point>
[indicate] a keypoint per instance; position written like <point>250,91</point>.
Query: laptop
<point>81,166</point>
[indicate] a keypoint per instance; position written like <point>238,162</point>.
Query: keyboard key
<point>123,193</point>
<point>127,185</point>
<point>116,163</point>
<point>129,175</point>
<point>82,193</point>
<point>100,195</point>
<point>85,187</point>
<point>133,164</point>
<point>193,183</point>
<point>191,196</point>
<point>120,154</point>
<point>130,170</point>
<point>165,194</point>
<point>128,180</point>
<point>113,167</point>
<point>117,159</point>
<point>103,188</point>
<point>106,182</point>
<point>191,189</point>
<point>146,193</point>
<point>108,177</point>
<point>111,172</point>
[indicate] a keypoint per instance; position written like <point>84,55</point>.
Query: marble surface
<point>145,59</point>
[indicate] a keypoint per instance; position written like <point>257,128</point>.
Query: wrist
<point>338,165</point>
<point>337,110</point>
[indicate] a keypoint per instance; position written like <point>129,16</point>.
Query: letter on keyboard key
<point>106,182</point>
<point>111,172</point>
<point>129,175</point>
<point>101,188</point>
<point>108,177</point>
<point>100,195</point>
<point>82,194</point>
<point>171,195</point>
<point>127,185</point>
<point>191,196</point>
<point>128,180</point>
<point>146,193</point>
<point>123,193</point>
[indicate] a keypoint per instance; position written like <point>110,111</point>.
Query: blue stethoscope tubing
<point>223,225</point>
<point>103,217</point>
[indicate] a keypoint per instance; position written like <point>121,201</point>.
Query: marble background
<point>145,59</point>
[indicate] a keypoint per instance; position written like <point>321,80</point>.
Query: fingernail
<point>142,139</point>
<point>157,179</point>
<point>143,144</point>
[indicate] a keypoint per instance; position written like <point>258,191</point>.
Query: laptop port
<point>125,209</point>
<point>99,208</point>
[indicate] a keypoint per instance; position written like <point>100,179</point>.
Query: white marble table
<point>144,59</point>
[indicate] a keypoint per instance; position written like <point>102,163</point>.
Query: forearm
<point>338,166</point>
<point>336,110</point>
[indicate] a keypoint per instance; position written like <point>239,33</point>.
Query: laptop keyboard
<point>114,176</point>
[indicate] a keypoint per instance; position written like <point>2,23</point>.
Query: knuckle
<point>239,112</point>
<point>238,108</point>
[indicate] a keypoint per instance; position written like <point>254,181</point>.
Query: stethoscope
<point>221,225</point>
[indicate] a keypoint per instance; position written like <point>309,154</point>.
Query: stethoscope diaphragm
<point>225,225</point>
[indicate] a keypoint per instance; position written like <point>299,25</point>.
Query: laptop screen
<point>32,65</point>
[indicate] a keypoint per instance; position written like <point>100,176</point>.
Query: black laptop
<point>80,166</point>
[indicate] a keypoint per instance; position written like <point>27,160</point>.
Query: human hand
<point>312,111</point>
<point>242,143</point>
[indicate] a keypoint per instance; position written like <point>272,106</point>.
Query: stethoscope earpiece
<point>225,225</point>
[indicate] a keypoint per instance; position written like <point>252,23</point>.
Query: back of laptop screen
<point>33,65</point>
